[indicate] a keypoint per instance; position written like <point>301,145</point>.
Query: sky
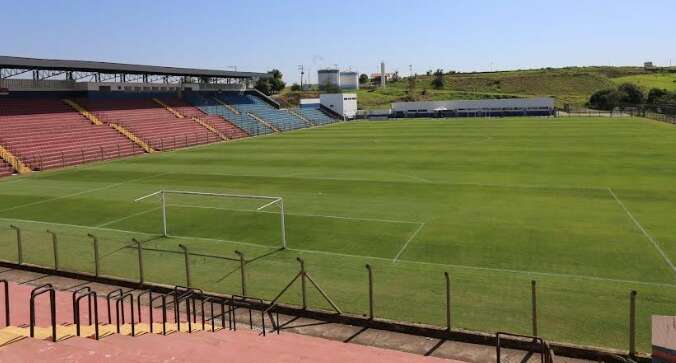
<point>259,35</point>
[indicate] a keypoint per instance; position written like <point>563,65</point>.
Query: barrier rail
<point>46,288</point>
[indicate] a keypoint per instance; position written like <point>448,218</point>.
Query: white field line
<point>297,214</point>
<point>79,193</point>
<point>645,233</point>
<point>491,269</point>
<point>466,267</point>
<point>491,185</point>
<point>420,227</point>
<point>78,226</point>
<point>127,217</point>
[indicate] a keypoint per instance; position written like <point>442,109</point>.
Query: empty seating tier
<point>150,122</point>
<point>227,128</point>
<point>316,115</point>
<point>46,133</point>
<point>5,169</point>
<point>210,105</point>
<point>282,120</point>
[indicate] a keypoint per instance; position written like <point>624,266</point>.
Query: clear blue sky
<point>261,35</point>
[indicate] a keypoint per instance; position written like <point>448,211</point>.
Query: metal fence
<point>372,288</point>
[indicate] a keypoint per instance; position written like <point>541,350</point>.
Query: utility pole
<point>302,73</point>
<point>410,70</point>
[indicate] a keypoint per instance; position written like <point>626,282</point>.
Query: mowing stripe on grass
<point>415,233</point>
<point>127,217</point>
<point>79,193</point>
<point>478,268</point>
<point>645,233</point>
<point>492,269</point>
<point>297,214</point>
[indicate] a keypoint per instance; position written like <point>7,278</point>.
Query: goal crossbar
<point>272,200</point>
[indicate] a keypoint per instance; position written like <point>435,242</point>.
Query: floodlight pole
<point>164,215</point>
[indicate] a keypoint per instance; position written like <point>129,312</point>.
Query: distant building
<point>648,65</point>
<point>344,104</point>
<point>474,108</point>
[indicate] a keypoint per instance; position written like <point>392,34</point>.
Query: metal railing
<point>91,296</point>
<point>46,288</point>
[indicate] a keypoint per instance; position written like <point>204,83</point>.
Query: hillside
<point>571,85</point>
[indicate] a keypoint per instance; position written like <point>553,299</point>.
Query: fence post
<point>242,267</point>
<point>187,265</point>
<point>448,301</point>
<point>303,286</point>
<point>534,308</point>
<point>368,267</point>
<point>55,249</point>
<point>96,253</point>
<point>140,259</point>
<point>19,249</point>
<point>632,323</point>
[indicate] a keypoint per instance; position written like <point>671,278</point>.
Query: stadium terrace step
<point>300,115</point>
<point>130,135</point>
<point>45,133</point>
<point>262,121</point>
<point>83,112</point>
<point>151,123</point>
<point>174,112</point>
<point>13,161</point>
<point>229,107</point>
<point>219,123</point>
<point>209,127</point>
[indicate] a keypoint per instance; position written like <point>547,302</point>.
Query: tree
<point>631,94</point>
<point>438,81</point>
<point>295,87</point>
<point>606,99</point>
<point>363,78</point>
<point>276,83</point>
<point>263,85</point>
<point>655,94</point>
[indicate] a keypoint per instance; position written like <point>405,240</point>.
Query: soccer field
<point>584,206</point>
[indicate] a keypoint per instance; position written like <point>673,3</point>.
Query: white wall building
<point>342,103</point>
<point>486,107</point>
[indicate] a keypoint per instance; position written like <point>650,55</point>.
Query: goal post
<point>266,201</point>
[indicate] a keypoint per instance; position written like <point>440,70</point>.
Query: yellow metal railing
<point>209,127</point>
<point>174,112</point>
<point>260,119</point>
<point>130,135</point>
<point>229,107</point>
<point>14,161</point>
<point>90,116</point>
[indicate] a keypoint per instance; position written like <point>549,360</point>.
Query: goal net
<point>219,216</point>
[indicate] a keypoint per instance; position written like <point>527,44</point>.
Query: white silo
<point>349,80</point>
<point>328,77</point>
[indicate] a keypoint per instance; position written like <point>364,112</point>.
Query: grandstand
<point>75,112</point>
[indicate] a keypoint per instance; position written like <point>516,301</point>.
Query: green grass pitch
<point>584,206</point>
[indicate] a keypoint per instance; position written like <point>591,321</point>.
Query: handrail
<point>149,292</point>
<point>52,303</point>
<point>96,312</point>
<point>6,288</point>
<point>244,299</point>
<point>120,302</point>
<point>77,292</point>
<point>108,297</point>
<point>540,341</point>
<point>164,312</point>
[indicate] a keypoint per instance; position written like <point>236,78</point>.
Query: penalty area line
<point>413,235</point>
<point>127,217</point>
<point>654,242</point>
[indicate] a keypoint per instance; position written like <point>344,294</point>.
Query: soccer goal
<point>230,214</point>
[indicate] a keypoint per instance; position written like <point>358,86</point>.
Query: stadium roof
<point>106,67</point>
